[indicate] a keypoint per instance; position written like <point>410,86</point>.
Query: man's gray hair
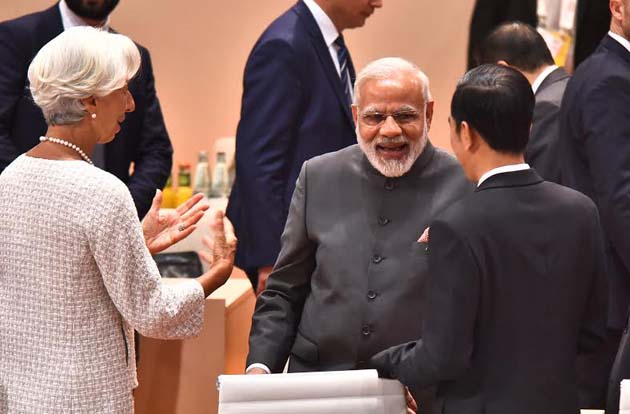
<point>79,63</point>
<point>390,67</point>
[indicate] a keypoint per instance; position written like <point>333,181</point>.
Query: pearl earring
<point>93,116</point>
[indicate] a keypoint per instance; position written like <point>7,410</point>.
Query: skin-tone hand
<point>162,228</point>
<point>256,371</point>
<point>220,258</point>
<point>412,407</point>
<point>263,275</point>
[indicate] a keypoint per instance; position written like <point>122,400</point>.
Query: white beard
<point>392,168</point>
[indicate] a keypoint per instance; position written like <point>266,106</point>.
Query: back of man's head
<point>498,103</point>
<point>518,44</point>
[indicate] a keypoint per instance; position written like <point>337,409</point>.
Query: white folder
<point>333,392</point>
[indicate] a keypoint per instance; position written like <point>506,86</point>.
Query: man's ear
<point>503,63</point>
<point>89,104</point>
<point>469,137</point>
<point>355,113</point>
<point>429,114</point>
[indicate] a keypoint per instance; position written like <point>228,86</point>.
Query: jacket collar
<point>613,46</point>
<point>555,76</point>
<point>511,179</point>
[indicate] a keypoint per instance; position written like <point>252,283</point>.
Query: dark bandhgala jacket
<point>517,288</point>
<point>351,275</point>
<point>142,141</point>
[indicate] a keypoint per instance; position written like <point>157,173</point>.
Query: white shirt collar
<point>541,78</point>
<point>502,169</point>
<point>326,26</point>
<point>624,42</point>
<point>69,19</point>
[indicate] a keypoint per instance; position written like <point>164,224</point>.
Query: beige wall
<point>199,49</point>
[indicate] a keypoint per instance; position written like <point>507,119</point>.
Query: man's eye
<point>405,118</point>
<point>373,118</point>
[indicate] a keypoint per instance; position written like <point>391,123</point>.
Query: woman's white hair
<point>79,63</point>
<point>387,68</point>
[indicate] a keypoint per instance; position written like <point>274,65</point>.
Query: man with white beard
<point>350,278</point>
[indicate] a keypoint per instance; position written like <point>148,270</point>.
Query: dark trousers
<point>594,373</point>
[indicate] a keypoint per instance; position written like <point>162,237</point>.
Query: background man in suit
<point>517,271</point>
<point>520,46</point>
<point>595,146</point>
<point>142,140</point>
<point>351,271</point>
<point>590,22</point>
<point>297,92</point>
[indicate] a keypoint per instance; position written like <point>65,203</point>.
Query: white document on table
<point>334,392</point>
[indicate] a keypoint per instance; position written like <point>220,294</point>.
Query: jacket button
<point>366,331</point>
<point>371,295</point>
<point>383,220</point>
<point>389,186</point>
<point>377,259</point>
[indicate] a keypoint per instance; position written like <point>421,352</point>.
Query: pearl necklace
<point>69,145</point>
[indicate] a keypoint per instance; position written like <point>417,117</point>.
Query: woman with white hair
<point>76,273</point>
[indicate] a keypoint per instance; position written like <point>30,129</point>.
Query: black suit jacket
<point>516,289</point>
<point>595,148</point>
<point>593,21</point>
<point>143,139</point>
<point>542,149</point>
<point>293,109</point>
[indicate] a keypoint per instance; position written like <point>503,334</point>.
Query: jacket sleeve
<point>607,147</point>
<point>279,307</point>
<point>265,140</point>
<point>154,158</point>
<point>13,68</point>
<point>131,277</point>
<point>445,350</point>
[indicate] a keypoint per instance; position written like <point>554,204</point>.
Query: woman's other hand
<point>164,227</point>
<point>220,257</point>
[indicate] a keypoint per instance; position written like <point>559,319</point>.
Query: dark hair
<point>519,44</point>
<point>497,102</point>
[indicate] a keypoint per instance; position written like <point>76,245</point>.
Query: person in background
<point>142,142</point>
<point>520,46</point>
<point>76,272</point>
<point>585,21</point>
<point>595,150</point>
<point>353,264</point>
<point>517,275</point>
<point>297,92</point>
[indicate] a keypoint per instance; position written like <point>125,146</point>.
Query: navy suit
<point>595,146</point>
<point>293,109</point>
<point>143,139</point>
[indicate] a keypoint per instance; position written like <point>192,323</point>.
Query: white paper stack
<point>334,392</point>
<point>624,397</point>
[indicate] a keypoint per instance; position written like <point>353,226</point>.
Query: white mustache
<point>400,139</point>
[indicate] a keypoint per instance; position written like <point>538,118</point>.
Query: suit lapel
<point>511,179</point>
<point>49,27</point>
<point>324,57</point>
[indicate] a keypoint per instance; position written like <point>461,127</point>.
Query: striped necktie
<point>343,57</point>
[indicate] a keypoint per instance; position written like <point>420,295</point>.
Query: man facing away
<point>595,146</point>
<point>517,276</point>
<point>142,140</point>
<point>297,92</point>
<point>520,46</point>
<point>351,273</point>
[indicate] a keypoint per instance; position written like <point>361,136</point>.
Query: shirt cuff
<point>261,366</point>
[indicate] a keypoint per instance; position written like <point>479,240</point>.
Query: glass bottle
<point>220,176</point>
<point>202,175</point>
<point>184,191</point>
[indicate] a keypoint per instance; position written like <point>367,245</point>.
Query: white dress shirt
<point>540,79</point>
<point>330,33</point>
<point>69,19</point>
<point>502,169</point>
<point>622,40</point>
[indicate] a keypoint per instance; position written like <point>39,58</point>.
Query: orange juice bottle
<point>168,194</point>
